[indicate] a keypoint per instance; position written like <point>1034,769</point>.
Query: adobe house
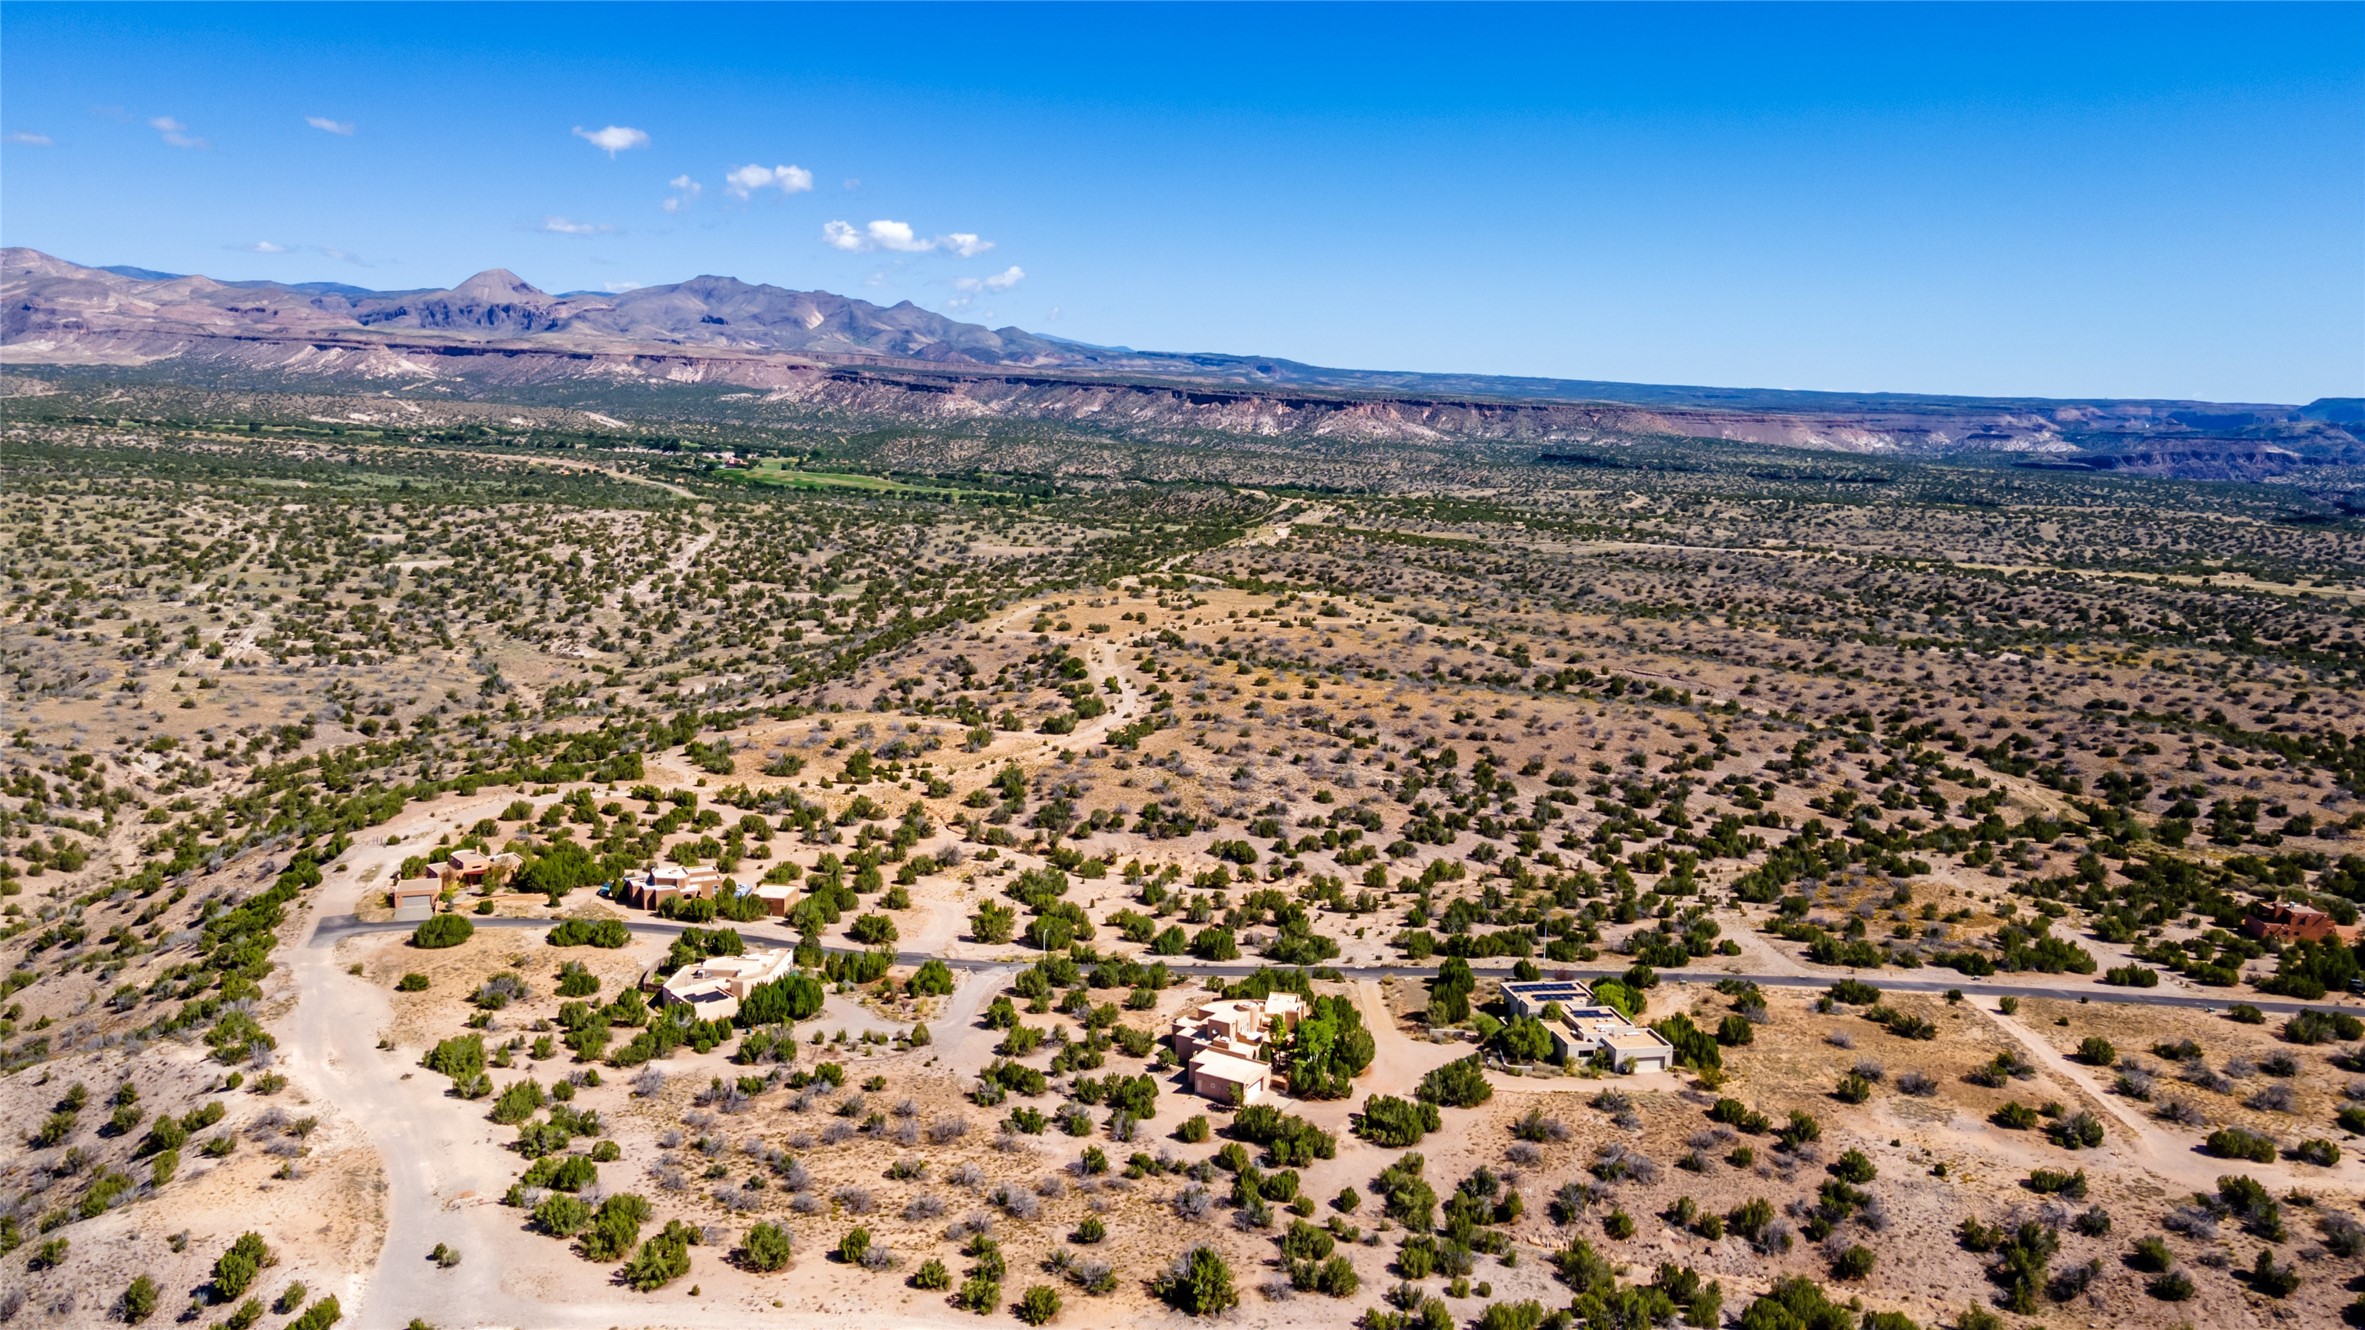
<point>2280,922</point>
<point>414,898</point>
<point>469,867</point>
<point>650,888</point>
<point>1230,1080</point>
<point>1227,1044</point>
<point>1586,1027</point>
<point>714,988</point>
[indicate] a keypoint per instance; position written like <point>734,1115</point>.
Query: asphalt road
<point>339,926</point>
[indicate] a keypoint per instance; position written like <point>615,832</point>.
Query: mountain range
<point>819,352</point>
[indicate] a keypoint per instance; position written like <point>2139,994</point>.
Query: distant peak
<point>498,284</point>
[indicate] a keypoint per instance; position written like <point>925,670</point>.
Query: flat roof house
<point>414,898</point>
<point>1227,1044</point>
<point>1587,1027</point>
<point>470,866</point>
<point>715,987</point>
<point>1227,1079</point>
<point>651,888</point>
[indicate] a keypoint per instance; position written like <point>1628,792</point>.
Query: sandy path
<point>2137,1139</point>
<point>681,562</point>
<point>444,1173</point>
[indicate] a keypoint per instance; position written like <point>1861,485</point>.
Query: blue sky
<point>2018,199</point>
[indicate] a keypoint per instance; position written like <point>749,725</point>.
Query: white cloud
<point>898,237</point>
<point>613,139</point>
<point>749,178</point>
<point>31,140</point>
<point>342,256</point>
<point>1001,281</point>
<point>686,190</point>
<point>175,133</point>
<point>560,226</point>
<point>1051,315</point>
<point>619,288</point>
<point>261,247</point>
<point>328,126</point>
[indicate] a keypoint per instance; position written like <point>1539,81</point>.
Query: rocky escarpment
<point>815,354</point>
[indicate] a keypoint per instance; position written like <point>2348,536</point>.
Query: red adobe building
<point>2295,923</point>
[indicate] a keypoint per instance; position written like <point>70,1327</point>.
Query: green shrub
<point>460,1057</point>
<point>236,1269</point>
<point>1333,1277</point>
<point>665,1257</point>
<point>2270,1279</point>
<point>562,1216</point>
<point>1458,1084</point>
<point>443,930</point>
<point>791,997</point>
<point>2056,1182</point>
<point>607,934</point>
<point>1289,1140</point>
<point>1199,1283</point>
<point>1528,1314</point>
<point>2318,1026</point>
<point>414,982</point>
<point>978,1294</point>
<point>1694,1047</point>
<point>1395,1123</point>
<point>319,1316</point>
<point>1037,1305</point>
<point>521,1100</point>
<point>2170,1286</point>
<point>1797,1303</point>
<point>766,1249</point>
<point>139,1300</point>
<point>615,1227</point>
<point>567,1173</point>
<point>2235,1143</point>
<point>2078,1131</point>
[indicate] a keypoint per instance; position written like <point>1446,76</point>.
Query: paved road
<point>340,926</point>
